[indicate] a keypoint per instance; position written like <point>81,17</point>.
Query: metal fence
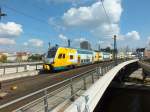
<point>19,67</point>
<point>67,90</point>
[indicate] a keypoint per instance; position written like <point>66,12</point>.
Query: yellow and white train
<point>59,58</point>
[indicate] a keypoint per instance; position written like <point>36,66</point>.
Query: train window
<point>51,54</point>
<point>82,61</point>
<point>60,56</point>
<point>71,56</point>
<point>63,55</point>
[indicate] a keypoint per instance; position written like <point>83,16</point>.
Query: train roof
<point>79,50</point>
<point>105,53</point>
<point>84,51</point>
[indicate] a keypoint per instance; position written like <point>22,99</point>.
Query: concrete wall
<point>88,101</point>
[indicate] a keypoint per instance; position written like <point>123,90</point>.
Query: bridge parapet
<point>88,101</point>
<point>16,70</point>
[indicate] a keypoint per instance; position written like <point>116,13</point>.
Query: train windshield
<point>51,53</point>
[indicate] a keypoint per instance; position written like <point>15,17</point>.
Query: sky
<point>31,24</point>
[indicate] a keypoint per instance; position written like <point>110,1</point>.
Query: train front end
<point>49,59</point>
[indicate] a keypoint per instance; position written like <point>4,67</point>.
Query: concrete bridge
<point>77,94</point>
<point>88,101</point>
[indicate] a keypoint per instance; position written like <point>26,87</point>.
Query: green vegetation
<point>107,49</point>
<point>3,58</point>
<point>35,57</point>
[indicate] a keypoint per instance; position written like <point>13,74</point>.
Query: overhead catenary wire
<point>37,6</point>
<point>114,36</point>
<point>31,17</point>
<point>107,16</point>
<point>28,16</point>
<point>24,14</point>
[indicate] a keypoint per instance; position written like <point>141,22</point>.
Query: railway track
<point>31,84</point>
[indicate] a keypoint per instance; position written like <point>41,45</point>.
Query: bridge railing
<point>19,67</point>
<point>67,90</point>
<point>89,100</point>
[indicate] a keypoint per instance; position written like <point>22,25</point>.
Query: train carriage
<point>106,56</point>
<point>85,56</point>
<point>59,58</point>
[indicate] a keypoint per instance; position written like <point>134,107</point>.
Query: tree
<point>35,57</point>
<point>107,49</point>
<point>3,58</point>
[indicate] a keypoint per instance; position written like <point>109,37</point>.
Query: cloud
<point>25,43</point>
<point>6,41</point>
<point>134,35</point>
<point>148,38</point>
<point>100,42</point>
<point>104,44</point>
<point>93,14</point>
<point>76,41</point>
<point>80,39</point>
<point>10,29</point>
<point>108,44</point>
<point>63,37</point>
<point>54,23</point>
<point>106,30</point>
<point>93,19</point>
<point>34,42</point>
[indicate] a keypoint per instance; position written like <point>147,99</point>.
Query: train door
<point>79,59</point>
<point>92,59</point>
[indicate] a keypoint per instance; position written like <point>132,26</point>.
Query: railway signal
<point>2,14</point>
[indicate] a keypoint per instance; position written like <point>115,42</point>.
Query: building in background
<point>121,55</point>
<point>11,57</point>
<point>140,52</point>
<point>7,57</point>
<point>147,53</point>
<point>85,45</point>
<point>22,56</point>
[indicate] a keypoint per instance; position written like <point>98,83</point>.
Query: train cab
<point>58,58</point>
<point>49,58</point>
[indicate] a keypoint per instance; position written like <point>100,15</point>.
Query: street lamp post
<point>69,42</point>
<point>115,50</point>
<point>2,14</point>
